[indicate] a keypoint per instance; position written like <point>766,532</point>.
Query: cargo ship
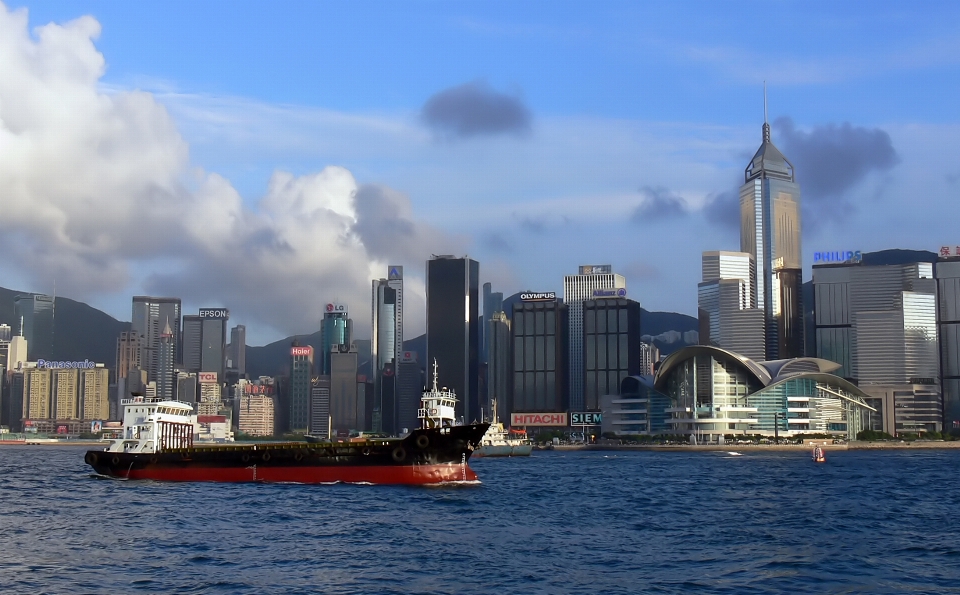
<point>158,444</point>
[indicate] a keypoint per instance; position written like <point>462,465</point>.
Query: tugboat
<point>498,443</point>
<point>158,443</point>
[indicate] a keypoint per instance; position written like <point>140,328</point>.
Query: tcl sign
<point>538,419</point>
<point>207,377</point>
<point>336,308</point>
<point>301,351</point>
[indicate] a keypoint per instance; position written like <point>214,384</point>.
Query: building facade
<point>880,324</point>
<point>345,411</point>
<point>611,347</point>
<point>576,289</point>
<point>409,389</point>
<point>301,375</point>
<point>335,329</point>
<point>540,353</point>
<point>386,345</point>
<point>453,333</point>
<point>320,422</point>
<point>149,317</point>
<point>948,319</point>
<point>770,233</point>
<point>499,361</point>
<point>256,414</point>
<point>237,357</point>
<point>192,342</point>
<point>35,315</point>
<point>726,304</point>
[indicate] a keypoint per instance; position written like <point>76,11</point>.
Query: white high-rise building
<point>576,289</point>
<point>727,304</point>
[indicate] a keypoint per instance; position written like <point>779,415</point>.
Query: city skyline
<point>291,182</point>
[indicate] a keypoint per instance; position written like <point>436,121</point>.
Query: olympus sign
<point>535,297</point>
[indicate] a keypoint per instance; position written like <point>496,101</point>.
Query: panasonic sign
<point>84,365</point>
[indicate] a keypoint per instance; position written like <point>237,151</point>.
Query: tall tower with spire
<point>770,231</point>
<point>166,349</point>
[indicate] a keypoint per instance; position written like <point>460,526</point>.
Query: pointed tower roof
<point>768,162</point>
<point>166,329</point>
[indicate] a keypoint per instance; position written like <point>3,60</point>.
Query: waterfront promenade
<point>854,445</point>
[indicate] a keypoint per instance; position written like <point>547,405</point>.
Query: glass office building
<point>770,232</point>
<point>539,357</point>
<point>611,347</point>
<point>453,329</point>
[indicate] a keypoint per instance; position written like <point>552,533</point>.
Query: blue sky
<point>534,136</point>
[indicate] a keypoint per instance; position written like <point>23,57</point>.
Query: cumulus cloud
<point>832,159</point>
<point>659,203</point>
<point>475,109</point>
<point>97,193</point>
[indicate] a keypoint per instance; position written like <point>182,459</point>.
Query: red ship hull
<point>429,456</point>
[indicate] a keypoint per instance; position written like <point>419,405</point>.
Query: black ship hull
<point>427,456</point>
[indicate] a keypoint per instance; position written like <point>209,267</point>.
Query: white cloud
<point>97,196</point>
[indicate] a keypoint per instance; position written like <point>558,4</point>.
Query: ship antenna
<point>434,374</point>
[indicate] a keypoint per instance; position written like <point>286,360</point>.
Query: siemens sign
<point>538,297</point>
<point>841,256</point>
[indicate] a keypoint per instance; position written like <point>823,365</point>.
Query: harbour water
<point>571,522</point>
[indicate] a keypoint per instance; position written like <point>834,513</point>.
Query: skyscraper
<point>166,350</point>
<point>498,363</point>
<point>192,342</point>
<point>335,329</point>
<point>727,306</point>
<point>880,324</point>
<point>150,314</point>
<point>409,389</point>
<point>948,317</point>
<point>576,289</point>
<point>539,356</point>
<point>213,340</point>
<point>37,312</point>
<point>611,347</point>
<point>301,374</point>
<point>238,349</point>
<point>345,409</point>
<point>770,232</point>
<point>386,345</point>
<point>453,333</point>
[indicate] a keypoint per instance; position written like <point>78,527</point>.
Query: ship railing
<point>136,400</point>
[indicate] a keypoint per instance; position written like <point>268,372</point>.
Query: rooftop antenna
<point>764,102</point>
<point>21,326</point>
<point>766,126</point>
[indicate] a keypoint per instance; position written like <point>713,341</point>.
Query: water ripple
<point>644,522</point>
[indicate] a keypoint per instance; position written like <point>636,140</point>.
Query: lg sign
<point>336,308</point>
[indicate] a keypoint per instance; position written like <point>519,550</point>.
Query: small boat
<point>818,455</point>
<point>734,453</point>
<point>497,442</point>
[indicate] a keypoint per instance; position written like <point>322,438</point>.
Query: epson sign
<point>214,313</point>
<point>538,297</point>
<point>839,256</point>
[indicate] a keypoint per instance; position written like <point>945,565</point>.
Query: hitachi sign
<point>538,419</point>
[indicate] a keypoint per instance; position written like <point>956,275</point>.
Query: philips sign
<point>538,297</point>
<point>609,293</point>
<point>842,256</point>
<point>214,313</point>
